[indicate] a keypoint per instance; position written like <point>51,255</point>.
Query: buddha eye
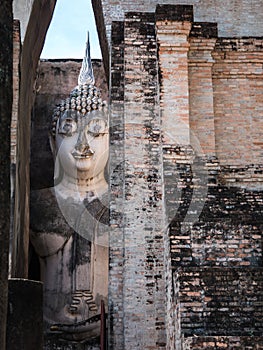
<point>97,127</point>
<point>67,127</point>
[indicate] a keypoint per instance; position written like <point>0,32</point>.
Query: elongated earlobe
<point>52,144</point>
<point>57,166</point>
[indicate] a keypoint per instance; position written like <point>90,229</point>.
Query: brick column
<point>144,299</point>
<point>116,244</point>
<point>201,103</point>
<point>173,23</point>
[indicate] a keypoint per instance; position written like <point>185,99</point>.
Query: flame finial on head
<point>86,73</point>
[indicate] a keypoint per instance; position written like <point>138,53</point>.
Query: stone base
<point>52,342</point>
<point>222,342</point>
<point>25,315</point>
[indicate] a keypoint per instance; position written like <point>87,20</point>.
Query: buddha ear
<point>58,172</point>
<point>52,144</point>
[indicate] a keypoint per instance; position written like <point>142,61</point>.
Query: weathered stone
<point>55,78</point>
<point>54,343</point>
<point>69,221</point>
<point>39,16</point>
<point>6,34</point>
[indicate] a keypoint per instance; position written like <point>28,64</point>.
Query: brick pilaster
<point>201,104</point>
<point>173,25</point>
<point>116,179</point>
<point>144,279</point>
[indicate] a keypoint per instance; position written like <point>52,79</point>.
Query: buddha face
<point>82,143</point>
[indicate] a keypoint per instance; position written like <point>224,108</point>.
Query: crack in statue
<point>69,222</point>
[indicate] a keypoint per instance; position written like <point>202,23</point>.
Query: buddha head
<point>79,132</point>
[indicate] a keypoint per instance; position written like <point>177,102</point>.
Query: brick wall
<point>215,246</point>
<point>221,301</point>
<point>227,233</point>
<point>237,18</point>
<point>238,102</point>
<point>229,343</point>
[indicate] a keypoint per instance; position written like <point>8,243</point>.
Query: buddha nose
<point>82,142</point>
<point>82,145</point>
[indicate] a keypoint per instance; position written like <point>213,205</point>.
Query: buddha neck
<point>82,188</point>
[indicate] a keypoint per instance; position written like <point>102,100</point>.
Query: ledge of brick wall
<point>174,13</point>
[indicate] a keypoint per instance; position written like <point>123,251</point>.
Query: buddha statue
<point>69,222</point>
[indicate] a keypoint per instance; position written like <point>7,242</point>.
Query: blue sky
<point>67,33</point>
